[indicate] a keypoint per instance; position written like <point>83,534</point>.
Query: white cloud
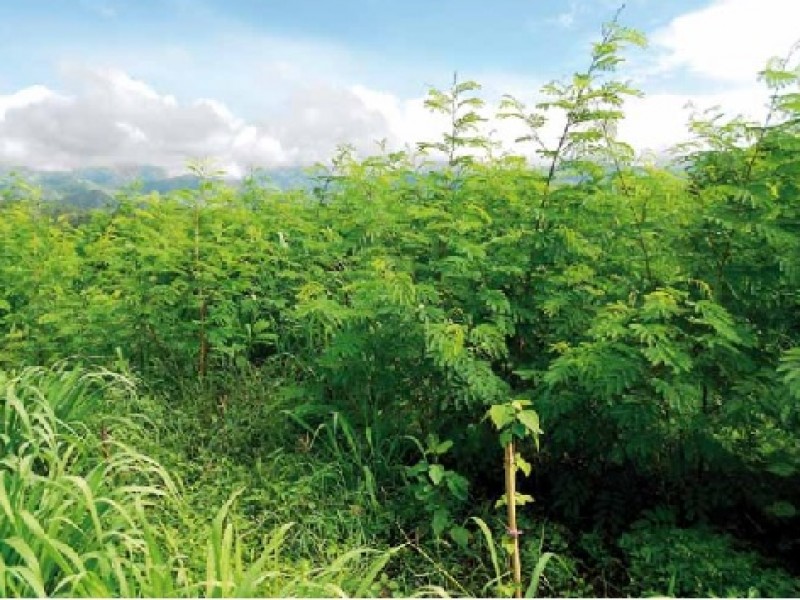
<point>134,133</point>
<point>110,118</point>
<point>717,51</point>
<point>103,116</point>
<point>730,40</point>
<point>659,121</point>
<point>24,97</point>
<point>408,121</point>
<point>113,119</point>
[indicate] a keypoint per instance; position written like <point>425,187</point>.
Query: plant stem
<point>511,495</point>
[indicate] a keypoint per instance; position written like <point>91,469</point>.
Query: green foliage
<point>591,106</point>
<point>460,106</point>
<point>515,420</point>
<point>300,344</point>
<point>438,490</point>
<point>84,515</point>
<point>668,560</point>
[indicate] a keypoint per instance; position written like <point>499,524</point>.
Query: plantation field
<point>251,392</point>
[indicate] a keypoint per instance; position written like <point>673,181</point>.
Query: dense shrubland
<point>342,359</point>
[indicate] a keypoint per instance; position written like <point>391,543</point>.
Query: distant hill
<point>97,186</point>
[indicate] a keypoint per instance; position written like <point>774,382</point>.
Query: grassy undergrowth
<point>90,510</point>
<point>87,514</point>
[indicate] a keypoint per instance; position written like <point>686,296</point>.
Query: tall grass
<point>84,514</point>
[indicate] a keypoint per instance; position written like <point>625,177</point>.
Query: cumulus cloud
<point>319,117</point>
<point>730,40</point>
<point>113,119</point>
<point>23,98</point>
<point>408,120</point>
<point>716,52</point>
<point>659,121</point>
<point>105,117</point>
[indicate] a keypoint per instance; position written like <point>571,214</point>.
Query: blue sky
<point>282,82</point>
<point>399,46</point>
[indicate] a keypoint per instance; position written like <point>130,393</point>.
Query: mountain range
<point>97,186</point>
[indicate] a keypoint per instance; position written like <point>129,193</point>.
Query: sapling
<point>515,420</point>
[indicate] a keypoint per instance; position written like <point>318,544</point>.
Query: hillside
<point>97,187</point>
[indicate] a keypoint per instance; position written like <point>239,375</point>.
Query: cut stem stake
<point>511,496</point>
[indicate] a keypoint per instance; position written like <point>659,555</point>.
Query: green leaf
<point>443,447</point>
<point>457,485</point>
<point>522,499</point>
<point>518,430</point>
<point>436,473</point>
<point>530,419</point>
<point>538,571</point>
<point>441,519</point>
<point>505,437</point>
<point>460,535</point>
<point>520,404</point>
<point>523,465</point>
<point>501,415</point>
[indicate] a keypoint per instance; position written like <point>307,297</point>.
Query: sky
<point>260,83</point>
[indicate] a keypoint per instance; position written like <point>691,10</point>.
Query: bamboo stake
<point>511,495</point>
